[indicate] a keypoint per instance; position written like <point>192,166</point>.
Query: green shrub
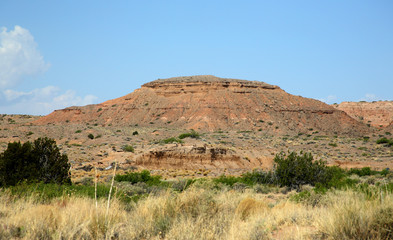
<point>258,177</point>
<point>78,131</point>
<point>91,136</point>
<point>385,172</point>
<point>136,177</point>
<point>366,171</point>
<point>249,178</point>
<point>128,148</point>
<point>191,134</point>
<point>40,161</point>
<point>228,180</point>
<point>336,178</point>
<point>171,140</point>
<point>294,170</point>
<point>135,133</point>
<point>383,140</point>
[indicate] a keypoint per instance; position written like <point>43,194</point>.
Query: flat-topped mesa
<point>209,103</point>
<point>207,81</point>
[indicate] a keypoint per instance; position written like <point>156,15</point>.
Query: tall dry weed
<point>353,215</point>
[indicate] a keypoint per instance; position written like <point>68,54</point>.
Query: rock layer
<point>195,157</point>
<point>209,103</point>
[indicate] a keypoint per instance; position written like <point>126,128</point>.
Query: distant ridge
<point>378,113</point>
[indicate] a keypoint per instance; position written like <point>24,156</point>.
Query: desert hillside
<point>209,103</point>
<point>240,125</point>
<point>378,114</point>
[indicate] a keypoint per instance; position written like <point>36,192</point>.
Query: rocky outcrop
<point>377,114</point>
<point>195,157</point>
<point>209,103</point>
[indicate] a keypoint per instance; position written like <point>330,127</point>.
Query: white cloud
<point>69,98</point>
<point>19,57</point>
<point>329,99</point>
<point>41,101</point>
<point>369,97</point>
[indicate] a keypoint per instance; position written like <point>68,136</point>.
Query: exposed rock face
<point>210,103</point>
<point>195,157</point>
<point>377,114</point>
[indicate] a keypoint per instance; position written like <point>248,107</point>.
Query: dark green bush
<point>128,148</point>
<point>249,178</point>
<point>136,177</point>
<point>385,172</point>
<point>192,134</point>
<point>228,180</point>
<point>135,133</point>
<point>40,161</point>
<point>366,171</point>
<point>337,178</point>
<point>294,170</point>
<point>258,177</point>
<point>91,136</point>
<point>384,140</point>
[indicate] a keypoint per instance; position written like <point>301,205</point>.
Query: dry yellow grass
<point>199,213</point>
<point>72,218</point>
<point>352,215</point>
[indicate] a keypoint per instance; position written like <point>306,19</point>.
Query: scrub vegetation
<point>325,203</point>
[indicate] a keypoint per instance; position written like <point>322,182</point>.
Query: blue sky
<point>54,54</point>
